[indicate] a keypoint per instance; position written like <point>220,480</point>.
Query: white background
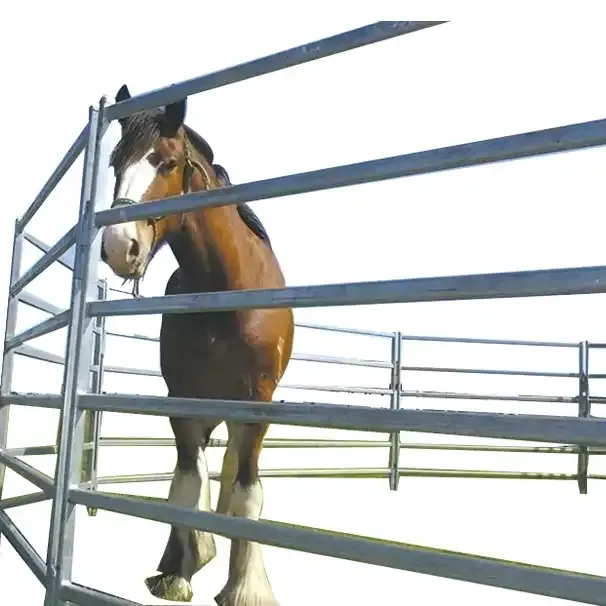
<point>494,74</point>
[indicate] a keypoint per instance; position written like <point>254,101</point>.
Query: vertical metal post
<point>92,422</point>
<point>9,357</point>
<point>76,378</point>
<point>584,410</point>
<point>394,404</point>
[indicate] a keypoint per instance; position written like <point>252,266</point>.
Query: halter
<point>189,168</point>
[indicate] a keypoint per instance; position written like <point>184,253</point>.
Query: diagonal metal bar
<point>23,547</point>
<point>26,471</point>
<point>67,259</point>
<point>38,354</point>
<point>38,303</point>
<point>54,253</point>
<point>589,589</point>
<point>73,593</point>
<point>39,330</point>
<point>539,283</point>
<point>65,164</point>
<point>550,140</point>
<point>311,51</point>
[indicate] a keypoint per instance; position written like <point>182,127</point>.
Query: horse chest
<point>205,358</point>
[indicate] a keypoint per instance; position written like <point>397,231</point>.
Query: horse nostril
<point>133,250</point>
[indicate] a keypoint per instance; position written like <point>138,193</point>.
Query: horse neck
<point>207,246</point>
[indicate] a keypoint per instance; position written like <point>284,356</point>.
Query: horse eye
<point>154,159</point>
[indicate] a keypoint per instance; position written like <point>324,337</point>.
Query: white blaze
<point>118,239</point>
<point>137,178</point>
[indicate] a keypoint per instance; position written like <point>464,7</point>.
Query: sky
<point>474,78</point>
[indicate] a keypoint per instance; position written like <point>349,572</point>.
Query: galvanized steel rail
<point>79,434</point>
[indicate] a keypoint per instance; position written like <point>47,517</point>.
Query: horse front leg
<point>247,584</point>
<point>229,468</point>
<point>187,550</point>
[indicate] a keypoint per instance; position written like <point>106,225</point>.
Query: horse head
<point>156,157</point>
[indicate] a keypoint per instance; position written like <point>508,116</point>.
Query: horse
<point>235,355</point>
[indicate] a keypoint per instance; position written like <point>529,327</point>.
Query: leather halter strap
<point>189,169</point>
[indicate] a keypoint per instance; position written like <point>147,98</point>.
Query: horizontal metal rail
<point>23,547</point>
<point>323,443</point>
<point>420,338</point>
<point>534,428</point>
<point>541,142</point>
<point>298,55</point>
<point>363,473</point>
<point>540,283</point>
<point>453,395</point>
<point>67,259</point>
<point>343,329</point>
<point>54,254</point>
<point>305,357</point>
<point>30,451</point>
<point>267,443</point>
<point>125,370</point>
<point>39,330</point>
<point>362,390</point>
<point>26,471</point>
<point>135,336</point>
<point>36,400</point>
<point>118,441</point>
<point>114,441</point>
<point>327,388</point>
<point>580,587</point>
<point>505,373</point>
<point>58,174</point>
<point>38,303</point>
<point>477,341</point>
<point>24,499</point>
<point>370,390</point>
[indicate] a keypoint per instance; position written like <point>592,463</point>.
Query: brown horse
<point>224,355</point>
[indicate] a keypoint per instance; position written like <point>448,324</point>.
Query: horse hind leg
<point>187,550</point>
<point>247,584</point>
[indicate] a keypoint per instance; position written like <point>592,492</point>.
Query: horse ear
<point>173,117</point>
<point>123,94</point>
<point>222,175</point>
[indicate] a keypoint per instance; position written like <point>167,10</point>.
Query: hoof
<point>170,587</point>
<point>246,594</point>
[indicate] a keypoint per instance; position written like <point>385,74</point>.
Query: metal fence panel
<point>583,434</point>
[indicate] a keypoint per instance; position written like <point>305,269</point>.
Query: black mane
<point>141,131</point>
